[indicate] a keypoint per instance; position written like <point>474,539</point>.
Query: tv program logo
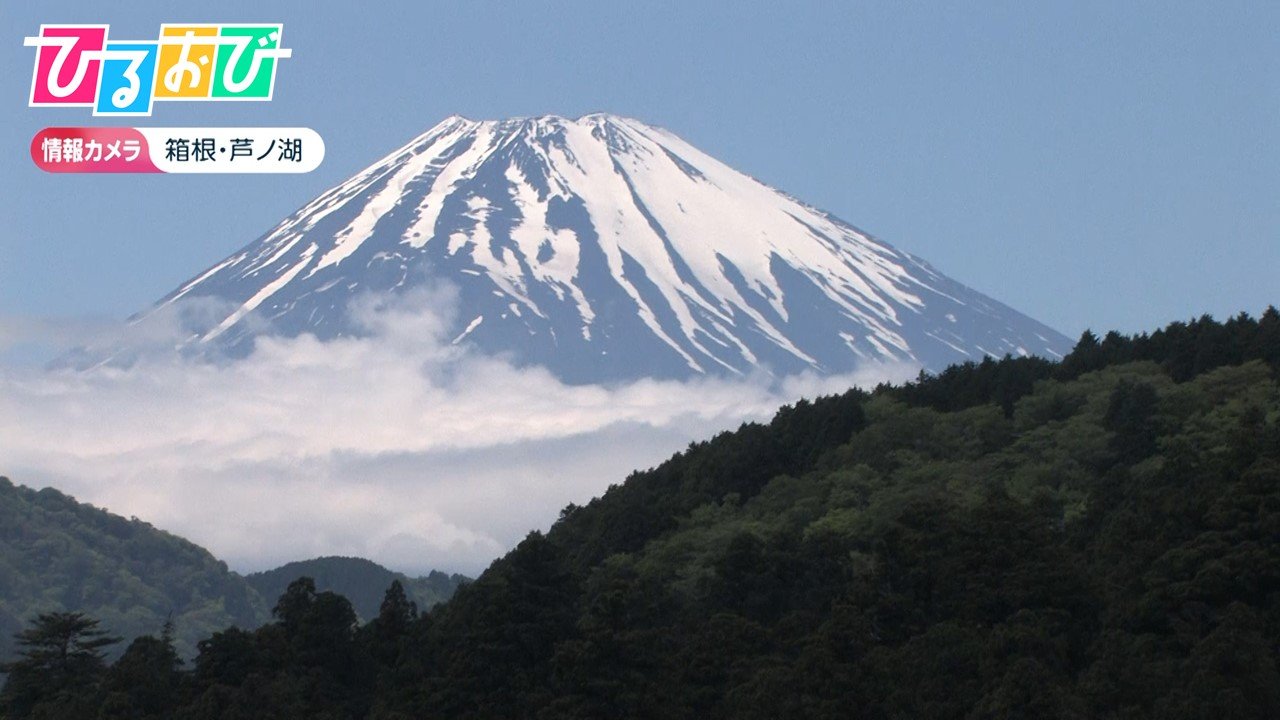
<point>78,66</point>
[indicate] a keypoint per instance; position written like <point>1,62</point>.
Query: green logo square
<point>245,68</point>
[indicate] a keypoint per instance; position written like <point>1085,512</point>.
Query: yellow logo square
<point>186,64</point>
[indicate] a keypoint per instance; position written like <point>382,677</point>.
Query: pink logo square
<point>68,64</point>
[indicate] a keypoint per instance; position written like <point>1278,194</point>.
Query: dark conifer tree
<point>146,681</point>
<point>60,662</point>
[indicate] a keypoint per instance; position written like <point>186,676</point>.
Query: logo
<point>78,66</point>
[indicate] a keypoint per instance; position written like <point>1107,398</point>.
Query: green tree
<point>387,632</point>
<point>1131,416</point>
<point>146,681</point>
<point>60,662</point>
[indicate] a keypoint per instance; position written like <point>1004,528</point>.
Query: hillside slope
<point>60,555</point>
<point>57,554</point>
<point>1096,538</point>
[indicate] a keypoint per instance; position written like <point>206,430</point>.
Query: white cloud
<point>398,447</point>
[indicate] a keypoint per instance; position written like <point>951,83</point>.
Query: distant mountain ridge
<point>361,581</point>
<point>57,554</point>
<point>602,248</point>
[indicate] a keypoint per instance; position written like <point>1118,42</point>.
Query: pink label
<point>91,150</point>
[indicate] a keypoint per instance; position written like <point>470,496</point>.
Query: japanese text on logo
<point>77,66</point>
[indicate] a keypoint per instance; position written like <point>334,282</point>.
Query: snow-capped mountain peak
<point>606,248</point>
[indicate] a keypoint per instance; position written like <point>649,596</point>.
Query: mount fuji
<point>603,249</point>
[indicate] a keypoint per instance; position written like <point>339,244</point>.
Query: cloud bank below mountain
<point>397,445</point>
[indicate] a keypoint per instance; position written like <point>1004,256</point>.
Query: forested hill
<point>361,581</point>
<point>1098,538</point>
<point>58,554</point>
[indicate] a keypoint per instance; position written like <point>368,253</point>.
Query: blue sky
<point>1093,164</point>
